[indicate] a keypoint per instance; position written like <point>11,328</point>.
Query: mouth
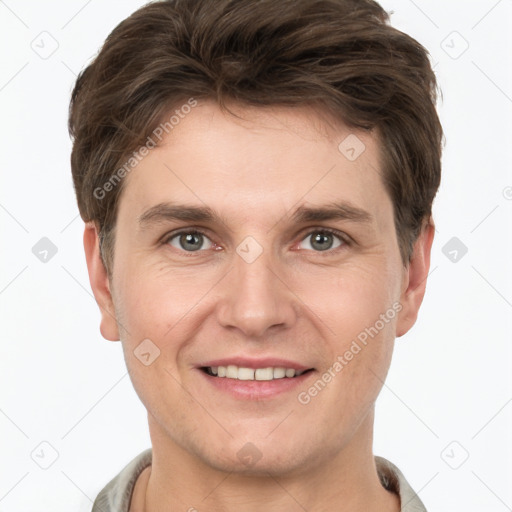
<point>241,373</point>
<point>263,378</point>
<point>256,384</point>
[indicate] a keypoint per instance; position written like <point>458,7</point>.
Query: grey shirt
<point>117,494</point>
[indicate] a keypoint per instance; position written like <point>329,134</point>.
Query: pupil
<point>321,238</point>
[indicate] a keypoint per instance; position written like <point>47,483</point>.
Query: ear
<point>415,279</point>
<point>99,283</point>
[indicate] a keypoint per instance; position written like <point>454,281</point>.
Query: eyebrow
<point>164,212</point>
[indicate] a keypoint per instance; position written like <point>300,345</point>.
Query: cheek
<point>155,309</point>
<point>154,302</point>
<point>350,298</point>
<point>367,323</point>
<point>161,313</point>
<point>357,310</point>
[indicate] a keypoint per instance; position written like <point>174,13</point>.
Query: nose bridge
<point>254,298</point>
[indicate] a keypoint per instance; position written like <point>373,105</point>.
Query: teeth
<point>234,372</point>
<point>279,373</point>
<point>246,374</point>
<point>264,374</point>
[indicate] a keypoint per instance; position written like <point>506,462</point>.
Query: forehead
<point>256,160</point>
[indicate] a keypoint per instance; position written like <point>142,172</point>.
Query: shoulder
<point>393,480</point>
<point>117,494</point>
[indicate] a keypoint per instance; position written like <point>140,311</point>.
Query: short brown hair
<point>341,55</point>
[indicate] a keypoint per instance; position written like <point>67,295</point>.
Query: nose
<point>255,299</point>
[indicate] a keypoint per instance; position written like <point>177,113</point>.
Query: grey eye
<point>190,241</point>
<point>322,241</point>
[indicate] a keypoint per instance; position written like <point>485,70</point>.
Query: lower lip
<point>256,389</point>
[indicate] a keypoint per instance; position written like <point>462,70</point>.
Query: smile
<point>242,373</point>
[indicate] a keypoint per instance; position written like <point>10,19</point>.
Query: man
<point>256,179</point>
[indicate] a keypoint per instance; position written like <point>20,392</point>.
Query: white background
<point>448,395</point>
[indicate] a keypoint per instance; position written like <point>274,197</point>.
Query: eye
<point>323,240</point>
<point>189,241</point>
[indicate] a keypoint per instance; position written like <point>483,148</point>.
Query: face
<point>256,248</point>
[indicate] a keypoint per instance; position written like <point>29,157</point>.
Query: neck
<point>344,481</point>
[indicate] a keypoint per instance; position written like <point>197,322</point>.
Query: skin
<point>294,301</point>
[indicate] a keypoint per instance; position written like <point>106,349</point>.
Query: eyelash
<point>345,239</point>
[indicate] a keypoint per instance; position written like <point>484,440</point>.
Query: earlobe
<point>100,285</point>
<point>415,279</point>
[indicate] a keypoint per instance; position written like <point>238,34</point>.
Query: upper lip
<point>264,362</point>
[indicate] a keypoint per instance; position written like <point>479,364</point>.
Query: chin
<point>258,468</point>
<point>253,459</point>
